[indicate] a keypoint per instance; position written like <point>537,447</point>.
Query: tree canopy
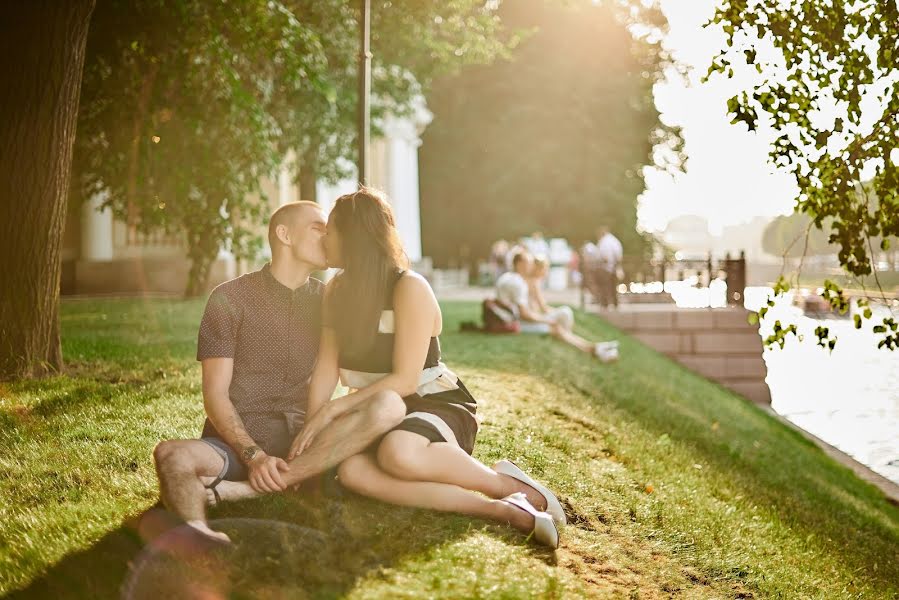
<point>186,104</point>
<point>795,236</point>
<point>829,86</point>
<point>552,139</point>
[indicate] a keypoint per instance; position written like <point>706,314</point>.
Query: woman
<point>563,316</point>
<point>382,323</point>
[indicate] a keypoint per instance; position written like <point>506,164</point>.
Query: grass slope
<point>675,487</point>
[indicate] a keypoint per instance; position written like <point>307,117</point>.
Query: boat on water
<point>814,306</point>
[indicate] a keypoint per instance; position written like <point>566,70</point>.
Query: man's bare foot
<point>204,529</point>
<point>512,485</point>
<point>229,491</point>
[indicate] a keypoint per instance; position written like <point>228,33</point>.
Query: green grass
<point>675,486</point>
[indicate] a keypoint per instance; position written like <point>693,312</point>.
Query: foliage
<point>795,236</point>
<point>186,104</point>
<point>554,139</point>
<point>829,86</point>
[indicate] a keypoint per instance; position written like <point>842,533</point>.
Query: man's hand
<point>265,473</point>
<point>312,428</point>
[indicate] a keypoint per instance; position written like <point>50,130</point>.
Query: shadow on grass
<point>314,544</point>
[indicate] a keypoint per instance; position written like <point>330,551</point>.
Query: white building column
<point>96,230</point>
<point>402,190</point>
<point>402,185</point>
<point>398,167</point>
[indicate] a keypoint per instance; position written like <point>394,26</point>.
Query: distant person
<point>513,289</point>
<point>513,250</point>
<point>498,253</point>
<point>609,253</point>
<point>537,245</point>
<point>562,315</point>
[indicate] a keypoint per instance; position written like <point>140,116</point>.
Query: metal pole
<point>364,91</point>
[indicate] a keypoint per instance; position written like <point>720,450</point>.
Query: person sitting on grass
<point>381,328</point>
<point>258,344</point>
<point>536,278</point>
<point>515,289</point>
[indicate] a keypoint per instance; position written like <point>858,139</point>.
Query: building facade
<point>103,255</point>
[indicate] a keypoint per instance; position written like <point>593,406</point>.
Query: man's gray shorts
<point>274,432</point>
<point>234,469</point>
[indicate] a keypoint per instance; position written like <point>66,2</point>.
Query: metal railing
<point>640,270</point>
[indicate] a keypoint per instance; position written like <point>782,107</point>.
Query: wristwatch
<point>249,453</point>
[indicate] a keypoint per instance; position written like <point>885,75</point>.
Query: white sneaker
<point>545,530</point>
<point>606,353</point>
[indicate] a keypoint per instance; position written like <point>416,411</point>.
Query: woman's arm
<point>415,313</point>
<point>325,374</point>
<point>537,296</point>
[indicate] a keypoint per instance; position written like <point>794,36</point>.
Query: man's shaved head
<point>287,215</point>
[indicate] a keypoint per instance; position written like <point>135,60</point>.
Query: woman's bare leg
<point>412,457</point>
<point>560,333</point>
<point>362,475</point>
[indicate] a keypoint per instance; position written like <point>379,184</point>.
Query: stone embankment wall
<point>719,344</point>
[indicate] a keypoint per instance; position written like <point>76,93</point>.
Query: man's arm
<point>516,293</point>
<point>217,374</point>
<point>264,470</point>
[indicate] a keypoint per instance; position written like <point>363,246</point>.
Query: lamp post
<point>364,90</point>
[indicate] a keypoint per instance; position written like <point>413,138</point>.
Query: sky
<point>728,180</point>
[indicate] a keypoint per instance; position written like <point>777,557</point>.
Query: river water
<point>848,398</point>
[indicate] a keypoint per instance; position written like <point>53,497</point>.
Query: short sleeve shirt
<point>271,332</point>
<point>511,288</point>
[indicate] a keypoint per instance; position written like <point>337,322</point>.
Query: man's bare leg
<point>346,436</point>
<point>179,465</point>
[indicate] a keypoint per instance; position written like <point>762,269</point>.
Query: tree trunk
<point>42,44</point>
<point>202,250</point>
<point>308,177</point>
<point>198,276</point>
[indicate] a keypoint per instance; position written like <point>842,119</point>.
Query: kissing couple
<point>273,344</point>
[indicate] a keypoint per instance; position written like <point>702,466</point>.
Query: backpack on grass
<point>499,317</point>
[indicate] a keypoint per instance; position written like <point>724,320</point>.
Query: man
<point>609,253</point>
<point>258,344</point>
<point>537,245</point>
<point>512,290</point>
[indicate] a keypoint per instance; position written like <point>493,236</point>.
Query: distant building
<point>394,169</point>
<point>102,255</point>
<point>688,234</point>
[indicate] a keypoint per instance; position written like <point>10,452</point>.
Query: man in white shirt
<point>609,253</point>
<point>512,290</point>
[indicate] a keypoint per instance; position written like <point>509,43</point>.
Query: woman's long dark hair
<point>372,256</point>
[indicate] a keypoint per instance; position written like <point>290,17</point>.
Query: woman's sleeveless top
<point>358,371</point>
